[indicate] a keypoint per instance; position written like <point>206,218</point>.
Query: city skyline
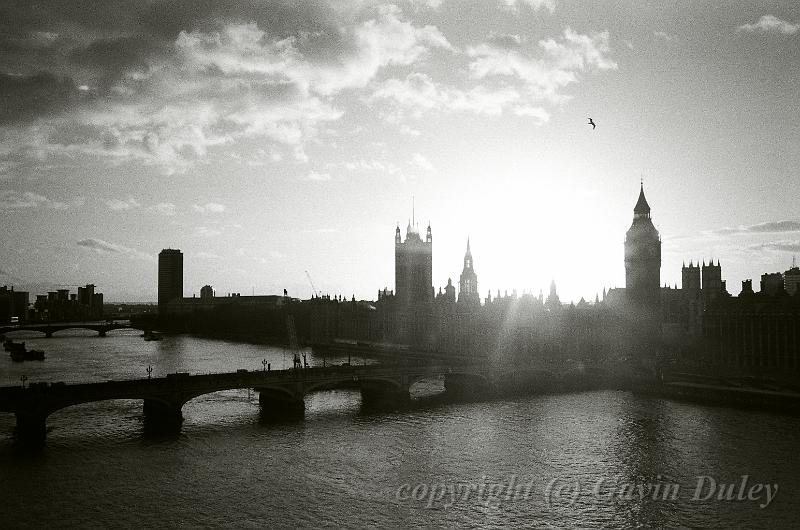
<point>270,140</point>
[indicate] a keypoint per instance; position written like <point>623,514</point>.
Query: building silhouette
<point>61,305</point>
<point>170,276</point>
<point>468,282</point>
<point>791,279</point>
<point>13,304</point>
<point>643,259</point>
<point>690,277</point>
<point>413,267</point>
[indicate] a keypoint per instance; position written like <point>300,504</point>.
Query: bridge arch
<point>357,382</point>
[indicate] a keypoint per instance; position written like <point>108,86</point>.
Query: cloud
<point>420,161</point>
<point>165,208</point>
<point>120,205</point>
<point>550,5</point>
<point>247,50</point>
<point>204,231</point>
<point>512,76</point>
<point>372,166</point>
<point>780,246</point>
<point>559,64</point>
<point>317,176</point>
<point>664,36</point>
<point>770,24</point>
<point>104,247</point>
<point>209,207</point>
<point>14,200</point>
<point>207,255</point>
<point>418,93</point>
<point>762,228</point>
<point>197,76</point>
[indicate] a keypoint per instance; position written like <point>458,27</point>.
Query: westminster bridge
<point>281,392</point>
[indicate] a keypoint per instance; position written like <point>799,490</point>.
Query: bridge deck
<point>11,398</point>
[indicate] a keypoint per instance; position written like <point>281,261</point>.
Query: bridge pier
<point>102,332</point>
<point>160,415</point>
<point>48,334</point>
<point>277,405</point>
<point>31,427</point>
<point>375,394</point>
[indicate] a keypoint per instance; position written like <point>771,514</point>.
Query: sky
<point>267,139</point>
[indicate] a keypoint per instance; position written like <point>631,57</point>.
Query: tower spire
<point>642,209</point>
<point>413,218</point>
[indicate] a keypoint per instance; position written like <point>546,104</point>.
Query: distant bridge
<point>281,392</point>
<point>48,328</point>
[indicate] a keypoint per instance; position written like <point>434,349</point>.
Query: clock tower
<point>643,263</point>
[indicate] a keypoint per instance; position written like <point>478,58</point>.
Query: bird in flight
<point>592,123</point>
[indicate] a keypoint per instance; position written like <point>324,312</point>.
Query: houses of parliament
<point>697,325</point>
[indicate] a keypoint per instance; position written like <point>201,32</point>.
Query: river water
<point>590,459</point>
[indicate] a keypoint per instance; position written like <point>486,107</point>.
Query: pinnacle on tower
<point>642,208</point>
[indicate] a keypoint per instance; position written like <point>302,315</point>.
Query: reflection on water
<point>343,464</point>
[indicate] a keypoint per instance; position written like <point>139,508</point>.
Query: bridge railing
<point>294,373</point>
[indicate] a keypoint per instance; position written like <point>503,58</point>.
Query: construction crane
<point>313,289</point>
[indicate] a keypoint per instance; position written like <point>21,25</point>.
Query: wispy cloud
<point>165,208</point>
<point>209,207</point>
<point>550,5</point>
<point>104,247</point>
<point>120,205</point>
<point>419,160</point>
<point>770,24</point>
<point>12,200</point>
<point>372,166</point>
<point>664,36</point>
<point>780,246</point>
<point>204,231</point>
<point>316,176</point>
<point>762,228</point>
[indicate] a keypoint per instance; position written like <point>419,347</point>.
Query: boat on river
<point>19,353</point>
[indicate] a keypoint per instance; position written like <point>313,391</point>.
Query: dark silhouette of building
<point>207,293</point>
<point>713,285</point>
<point>413,259</point>
<point>643,258</point>
<point>772,283</point>
<point>170,276</point>
<point>791,279</point>
<point>61,305</point>
<point>754,333</point>
<point>468,282</point>
<point>643,273</point>
<point>450,291</point>
<point>13,304</point>
<point>553,302</point>
<point>690,277</point>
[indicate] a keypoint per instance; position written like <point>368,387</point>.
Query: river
<point>588,459</point>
